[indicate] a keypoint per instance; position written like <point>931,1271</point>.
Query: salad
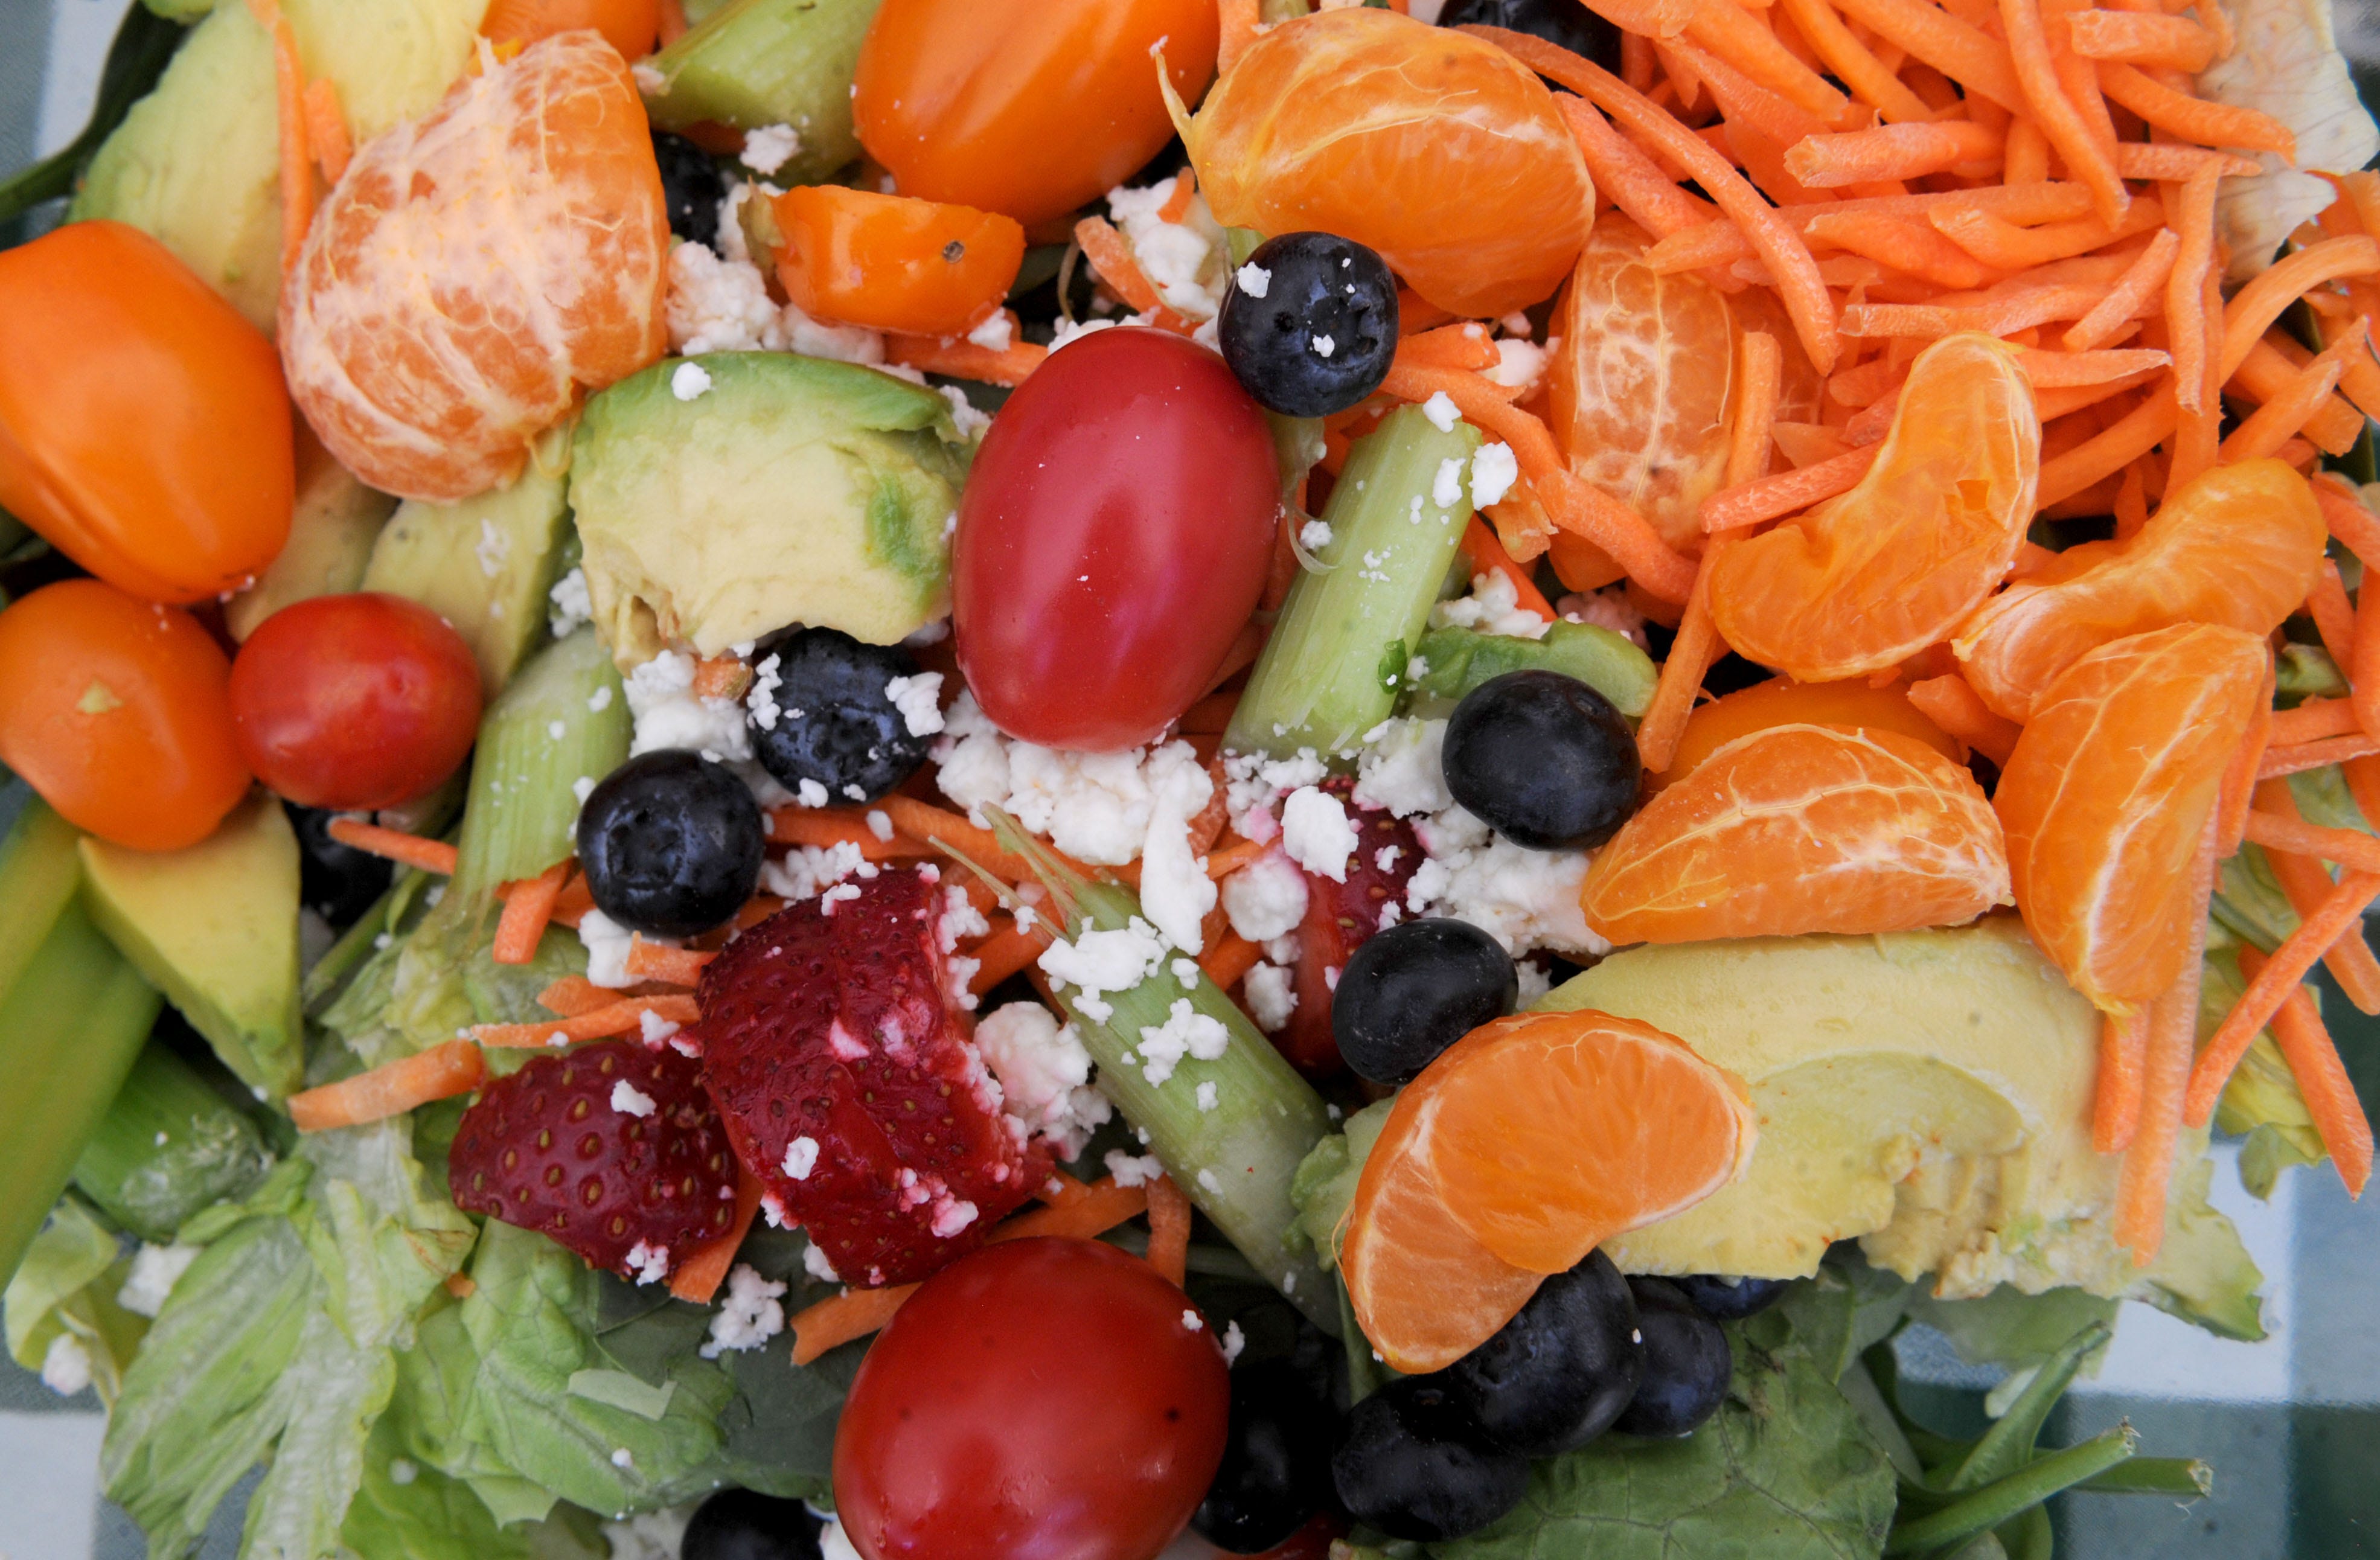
<point>904,778</point>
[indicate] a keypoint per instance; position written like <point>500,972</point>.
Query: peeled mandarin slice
<point>2239,546</point>
<point>1802,828</point>
<point>1548,1134</point>
<point>2107,794</point>
<point>1866,580</point>
<point>1783,702</point>
<point>474,272</point>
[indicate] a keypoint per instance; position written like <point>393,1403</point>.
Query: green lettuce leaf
<point>1325,1182</point>
<point>2010,1327</point>
<point>65,1288</point>
<point>1844,1308</point>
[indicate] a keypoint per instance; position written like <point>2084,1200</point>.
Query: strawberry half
<point>850,1085</point>
<point>1341,918</point>
<point>612,1149</point>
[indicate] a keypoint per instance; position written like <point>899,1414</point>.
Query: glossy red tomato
<point>113,709</point>
<point>1026,109</point>
<point>1037,1400</point>
<point>1114,536</point>
<point>355,702</point>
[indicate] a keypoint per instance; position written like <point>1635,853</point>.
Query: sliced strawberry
<point>1340,918</point>
<point>851,1086</point>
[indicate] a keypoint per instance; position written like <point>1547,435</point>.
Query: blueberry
<point>1555,1376</point>
<point>1543,759</point>
<point>829,718</point>
<point>1276,1468</point>
<point>1564,22</point>
<point>1729,1300</point>
<point>671,843</point>
<point>1320,336</point>
<point>691,189</point>
<point>1414,1464</point>
<point>1687,1363</point>
<point>740,1524</point>
<point>337,882</point>
<point>1416,989</point>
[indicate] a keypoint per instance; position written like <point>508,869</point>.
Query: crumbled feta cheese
<point>1102,962</point>
<point>629,1100</point>
<point>1519,365</point>
<point>952,1214</point>
<point>1441,411</point>
<point>1494,469</point>
<point>1234,1341</point>
<point>1446,487</point>
<point>748,1315</point>
<point>1208,1096</point>
<point>622,1459</point>
<point>818,1265</point>
<point>653,1029</point>
<point>812,794</point>
<point>1536,981</point>
<point>648,1264</point>
<point>840,344</point>
<point>1133,1169</point>
<point>1315,535</point>
<point>1265,898</point>
<point>670,714</point>
<point>834,1544</point>
<point>841,893</point>
<point>1193,1320</point>
<point>1272,991</point>
<point>996,333</point>
<point>1254,782</point>
<point>919,700</point>
<point>1185,970</point>
<point>688,380</point>
<point>801,1157</point>
<point>1401,768</point>
<point>970,423</point>
<point>1186,1032</point>
<point>1183,259</point>
<point>1493,606</point>
<point>607,944</point>
<point>716,305</point>
<point>770,148</point>
<point>155,1271</point>
<point>1070,331</point>
<point>1324,347</point>
<point>572,609</point>
<point>1317,832</point>
<point>649,78</point>
<point>65,1365</point>
<point>1044,1075</point>
<point>1523,899</point>
<point>1176,893</point>
<point>761,698</point>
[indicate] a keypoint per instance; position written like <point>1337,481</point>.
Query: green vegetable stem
<point>168,1146</point>
<point>563,720</point>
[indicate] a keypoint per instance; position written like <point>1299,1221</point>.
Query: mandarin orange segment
<point>475,271</point>
<point>1866,580</point>
<point>1549,1133</point>
<point>1802,828</point>
<point>1638,386</point>
<point>1783,702</point>
<point>2239,545</point>
<point>2106,795</point>
<point>1435,149</point>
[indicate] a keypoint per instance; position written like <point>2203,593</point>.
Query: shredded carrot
<point>827,827</point>
<point>326,130</point>
<point>1169,1230</point>
<point>947,830</point>
<point>2239,789</point>
<point>2304,882</point>
<point>1465,345</point>
<point>1230,959</point>
<point>1628,178</point>
<point>2125,301</point>
<point>528,911</point>
<point>2323,1082</point>
<point>391,1089</point>
<point>296,159</point>
<point>2256,306</point>
<point>698,1278</point>
<point>574,995</point>
<point>2315,719</point>
<point>2116,1098</point>
<point>1005,952</point>
<point>1221,864</point>
<point>2066,371</point>
<point>576,900</point>
<point>619,1018</point>
<point>720,677</point>
<point>673,966</point>
<point>1958,50</point>
<point>2109,451</point>
<point>963,359</point>
<point>1997,242</point>
<point>1185,189</point>
<point>1112,257</point>
<point>2278,830</point>
<point>1950,703</point>
<point>2050,107</point>
<point>2305,756</point>
<point>1788,493</point>
<point>2173,1031</point>
<point>2026,157</point>
<point>1853,64</point>
<point>1414,315</point>
<point>2340,911</point>
<point>1240,21</point>
<point>854,1313</point>
<point>410,850</point>
<point>2264,431</point>
<point>2343,511</point>
<point>2159,41</point>
<point>1489,556</point>
<point>2185,321</point>
<point>2195,119</point>
<point>2333,620</point>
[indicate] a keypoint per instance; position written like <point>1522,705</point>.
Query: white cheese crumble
<point>1209,1096</point>
<point>688,380</point>
<point>1446,487</point>
<point>770,148</point>
<point>1318,833</point>
<point>1265,899</point>
<point>155,1271</point>
<point>970,423</point>
<point>1183,259</point>
<point>607,943</point>
<point>647,1264</point>
<point>570,609</point>
<point>952,1214</point>
<point>1133,1169</point>
<point>1186,1032</point>
<point>1523,899</point>
<point>1519,365</point>
<point>801,1157</point>
<point>919,700</point>
<point>1234,1341</point>
<point>1193,1320</point>
<point>1493,606</point>
<point>1536,981</point>
<point>669,713</point>
<point>1494,469</point>
<point>1271,993</point>
<point>1044,1075</point>
<point>748,1315</point>
<point>653,1029</point>
<point>1324,347</point>
<point>834,1544</point>
<point>1315,535</point>
<point>815,1263</point>
<point>1098,961</point>
<point>809,871</point>
<point>629,1100</point>
<point>65,1365</point>
<point>1441,411</point>
<point>1403,769</point>
<point>1255,280</point>
<point>1254,783</point>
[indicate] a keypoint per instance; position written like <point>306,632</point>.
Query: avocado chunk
<point>215,928</point>
<point>1928,1093</point>
<point>790,491</point>
<point>331,529</point>
<point>393,59</point>
<point>751,63</point>
<point>483,564</point>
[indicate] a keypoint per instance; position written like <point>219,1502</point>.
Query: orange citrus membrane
<point>1780,701</point>
<point>1866,580</point>
<point>1802,828</point>
<point>2239,546</point>
<point>476,270</point>
<point>2106,795</point>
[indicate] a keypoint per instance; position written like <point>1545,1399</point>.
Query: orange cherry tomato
<point>630,26</point>
<point>144,428</point>
<point>117,711</point>
<point>1026,110</point>
<point>893,263</point>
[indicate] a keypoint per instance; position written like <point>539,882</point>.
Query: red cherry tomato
<point>113,709</point>
<point>1114,536</point>
<point>355,702</point>
<point>1028,109</point>
<point>1037,1400</point>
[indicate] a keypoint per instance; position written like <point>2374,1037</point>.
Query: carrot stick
<point>2109,451</point>
<point>1239,19</point>
<point>826,827</point>
<point>1228,960</point>
<point>2349,521</point>
<point>576,900</point>
<point>1185,189</point>
<point>527,909</point>
<point>2274,423</point>
<point>1902,244</point>
<point>2026,157</point>
<point>2278,830</point>
<point>1751,46</point>
<point>1998,242</point>
<point>296,160</point>
<point>2339,911</point>
<point>1890,152</point>
<point>1953,703</point>
<point>1628,178</point>
<point>2126,299</point>
<point>1788,493</point>
<point>933,826</point>
<point>1853,64</point>
<point>2303,882</point>
<point>326,130</point>
<point>2254,307</point>
<point>2195,119</point>
<point>2066,371</point>
<point>2334,620</point>
<point>2115,1100</point>
<point>619,1018</point>
<point>2055,112</point>
<point>2197,433</point>
<point>854,1313</point>
<point>698,1278</point>
<point>2173,163</point>
<point>391,1089</point>
<point>1112,257</point>
<point>2185,317</point>
<point>2315,719</point>
<point>1005,952</point>
<point>1231,858</point>
<point>2172,1030</point>
<point>1169,1230</point>
<point>1964,53</point>
<point>2163,42</point>
<point>676,966</point>
<point>963,359</point>
<point>411,850</point>
<point>1489,556</point>
<point>2239,789</point>
<point>2329,1093</point>
<point>2305,756</point>
<point>1466,346</point>
<point>574,995</point>
<point>1414,315</point>
<point>1103,1205</point>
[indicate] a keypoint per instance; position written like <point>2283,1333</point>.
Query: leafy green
<point>2203,1274</point>
<point>1844,1309</point>
<point>2010,1327</point>
<point>66,1288</point>
<point>1325,1182</point>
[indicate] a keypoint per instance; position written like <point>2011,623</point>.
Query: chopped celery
<point>39,874</point>
<point>1232,1148</point>
<point>544,734</point>
<point>1456,660</point>
<point>168,1146</point>
<point>1336,662</point>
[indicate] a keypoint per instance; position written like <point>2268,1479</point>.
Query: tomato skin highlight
<point>1114,534</point>
<point>355,702</point>
<point>115,710</point>
<point>1039,1399</point>
<point>1029,112</point>
<point>144,428</point>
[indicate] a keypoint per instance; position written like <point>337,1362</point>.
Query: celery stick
<point>1232,1159</point>
<point>1336,662</point>
<point>542,736</point>
<point>168,1146</point>
<point>39,873</point>
<point>1458,660</point>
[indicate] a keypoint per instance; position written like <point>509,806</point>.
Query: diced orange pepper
<point>893,263</point>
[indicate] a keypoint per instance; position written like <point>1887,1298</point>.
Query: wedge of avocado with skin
<point>751,63</point>
<point>332,530</point>
<point>215,928</point>
<point>790,491</point>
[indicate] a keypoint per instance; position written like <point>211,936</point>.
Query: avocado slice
<point>215,928</point>
<point>483,564</point>
<point>331,533</point>
<point>750,63</point>
<point>790,490</point>
<point>39,874</point>
<point>393,59</point>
